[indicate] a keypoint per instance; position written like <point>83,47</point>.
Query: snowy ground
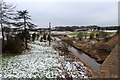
<point>40,61</point>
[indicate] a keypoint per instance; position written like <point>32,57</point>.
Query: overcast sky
<point>72,12</point>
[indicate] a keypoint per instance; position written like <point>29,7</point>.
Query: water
<point>85,58</point>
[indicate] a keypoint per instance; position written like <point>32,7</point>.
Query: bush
<point>69,41</point>
<point>49,38</point>
<point>85,34</point>
<point>13,46</point>
<point>41,39</point>
<point>80,35</point>
<point>103,34</point>
<point>97,36</point>
<point>20,36</point>
<point>44,36</point>
<point>91,36</point>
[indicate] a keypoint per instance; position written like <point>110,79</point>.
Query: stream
<point>83,57</point>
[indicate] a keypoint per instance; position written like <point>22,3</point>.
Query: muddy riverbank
<point>64,47</point>
<point>109,68</point>
<point>108,56</point>
<point>99,50</point>
<point>74,57</point>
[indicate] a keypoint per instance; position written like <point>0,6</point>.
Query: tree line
<point>85,28</point>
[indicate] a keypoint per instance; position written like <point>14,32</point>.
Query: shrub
<point>80,35</point>
<point>44,36</point>
<point>20,36</point>
<point>49,38</point>
<point>41,39</point>
<point>103,34</point>
<point>69,41</point>
<point>97,36</point>
<point>91,36</point>
<point>85,34</point>
<point>13,46</point>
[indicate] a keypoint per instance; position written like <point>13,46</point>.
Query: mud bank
<point>109,68</point>
<point>97,50</point>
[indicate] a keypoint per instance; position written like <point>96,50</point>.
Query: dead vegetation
<point>98,50</point>
<point>13,46</point>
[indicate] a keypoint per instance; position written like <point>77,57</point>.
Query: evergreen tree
<point>24,22</point>
<point>6,16</point>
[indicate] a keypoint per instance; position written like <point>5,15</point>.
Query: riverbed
<point>83,57</point>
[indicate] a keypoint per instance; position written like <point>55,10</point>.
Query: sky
<point>70,12</point>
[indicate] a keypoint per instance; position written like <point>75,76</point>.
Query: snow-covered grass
<point>37,62</point>
<point>40,61</point>
<point>74,69</point>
